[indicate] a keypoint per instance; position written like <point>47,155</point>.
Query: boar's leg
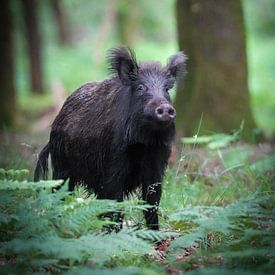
<point>112,188</point>
<point>151,194</point>
<point>115,216</point>
<point>153,168</point>
<point>63,174</point>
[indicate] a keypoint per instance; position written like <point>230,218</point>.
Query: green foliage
<point>266,164</point>
<point>262,24</point>
<point>45,230</point>
<point>215,141</point>
<point>239,231</point>
<point>225,220</point>
<point>260,45</point>
<point>14,174</point>
<point>115,271</point>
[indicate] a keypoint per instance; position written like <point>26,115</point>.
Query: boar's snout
<point>165,113</point>
<point>160,112</point>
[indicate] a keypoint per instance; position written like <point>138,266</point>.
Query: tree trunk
<point>34,45</point>
<point>212,34</point>
<point>60,20</point>
<point>7,91</point>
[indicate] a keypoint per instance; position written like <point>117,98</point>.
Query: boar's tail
<point>41,169</point>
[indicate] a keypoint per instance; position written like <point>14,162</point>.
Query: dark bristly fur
<point>107,135</point>
<point>42,164</point>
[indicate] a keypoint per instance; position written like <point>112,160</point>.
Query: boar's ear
<point>122,61</point>
<point>176,65</point>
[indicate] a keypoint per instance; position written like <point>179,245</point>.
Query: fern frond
<point>6,184</point>
<point>14,175</point>
<point>238,226</point>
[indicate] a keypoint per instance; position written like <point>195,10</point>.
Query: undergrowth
<point>211,223</point>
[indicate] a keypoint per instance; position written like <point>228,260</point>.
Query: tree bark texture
<point>212,34</point>
<point>34,45</point>
<point>7,90</point>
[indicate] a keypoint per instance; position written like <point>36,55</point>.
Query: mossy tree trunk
<point>7,91</point>
<point>212,34</point>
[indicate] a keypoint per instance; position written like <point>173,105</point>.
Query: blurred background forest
<point>49,48</point>
<point>217,207</point>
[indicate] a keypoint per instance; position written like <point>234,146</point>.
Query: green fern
<point>13,185</point>
<point>44,229</point>
<point>13,174</point>
<point>215,141</point>
<point>235,228</point>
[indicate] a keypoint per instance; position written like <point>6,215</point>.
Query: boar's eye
<point>141,88</point>
<point>167,88</point>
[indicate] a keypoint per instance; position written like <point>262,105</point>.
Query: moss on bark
<point>212,34</point>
